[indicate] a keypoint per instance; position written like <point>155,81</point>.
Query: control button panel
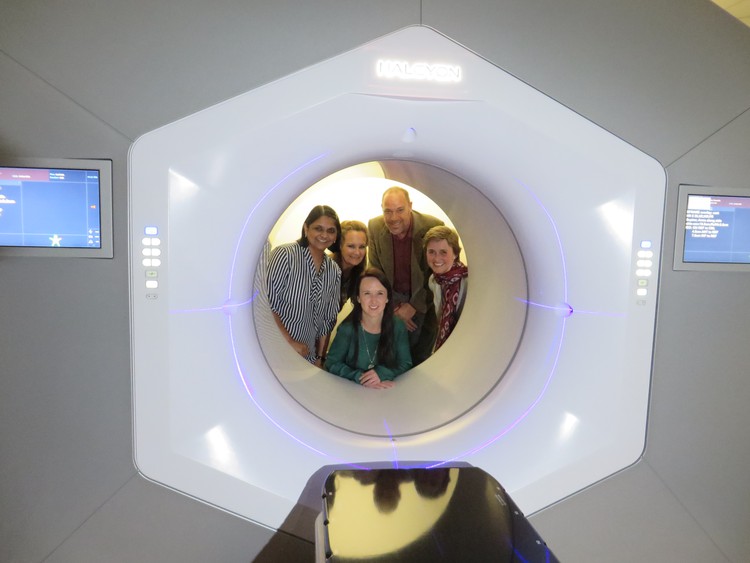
<point>151,260</point>
<point>644,268</point>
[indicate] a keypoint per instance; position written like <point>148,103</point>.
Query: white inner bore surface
<point>466,367</point>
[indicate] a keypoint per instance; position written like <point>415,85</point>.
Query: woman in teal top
<point>371,346</point>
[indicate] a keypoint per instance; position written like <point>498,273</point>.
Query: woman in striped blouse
<point>304,285</point>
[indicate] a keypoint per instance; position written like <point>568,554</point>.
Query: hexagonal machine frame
<point>545,382</point>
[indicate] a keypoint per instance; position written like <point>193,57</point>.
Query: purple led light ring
<point>551,373</point>
<point>248,388</point>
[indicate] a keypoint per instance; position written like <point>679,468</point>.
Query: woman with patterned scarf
<point>448,280</point>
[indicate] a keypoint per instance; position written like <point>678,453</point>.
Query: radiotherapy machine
<point>544,383</point>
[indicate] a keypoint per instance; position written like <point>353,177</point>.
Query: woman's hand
<point>299,347</point>
<point>371,379</point>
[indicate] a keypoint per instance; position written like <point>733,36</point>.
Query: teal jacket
<point>337,361</point>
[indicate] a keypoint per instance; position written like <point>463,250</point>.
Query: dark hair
<point>347,227</point>
<point>316,213</point>
<point>385,345</point>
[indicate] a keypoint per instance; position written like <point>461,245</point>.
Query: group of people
<point>404,278</point>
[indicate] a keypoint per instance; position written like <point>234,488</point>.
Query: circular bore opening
<point>476,355</point>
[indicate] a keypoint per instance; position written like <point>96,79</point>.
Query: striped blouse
<point>306,300</point>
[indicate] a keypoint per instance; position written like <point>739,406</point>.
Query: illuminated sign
<point>404,70</point>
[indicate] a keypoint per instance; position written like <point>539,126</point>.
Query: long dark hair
<point>385,345</point>
<point>356,271</point>
<point>316,213</point>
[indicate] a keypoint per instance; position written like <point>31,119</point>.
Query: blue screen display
<point>49,207</point>
<point>717,229</point>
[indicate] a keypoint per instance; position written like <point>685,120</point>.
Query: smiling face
<point>321,233</point>
<point>397,213</point>
<point>353,249</point>
<point>440,256</point>
<point>372,297</point>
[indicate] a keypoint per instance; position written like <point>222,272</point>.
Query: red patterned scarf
<point>450,285</point>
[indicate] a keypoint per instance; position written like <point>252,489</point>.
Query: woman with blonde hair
<point>352,257</point>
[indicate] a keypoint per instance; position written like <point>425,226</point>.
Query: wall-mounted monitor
<point>713,229</point>
<point>56,207</point>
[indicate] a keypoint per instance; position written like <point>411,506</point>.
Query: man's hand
<point>406,312</point>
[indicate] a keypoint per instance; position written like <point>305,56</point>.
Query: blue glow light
<point>393,444</point>
<point>228,308</point>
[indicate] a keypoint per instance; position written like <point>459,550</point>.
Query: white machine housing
<point>544,383</point>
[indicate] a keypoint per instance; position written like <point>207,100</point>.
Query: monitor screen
<point>56,207</point>
<point>713,229</point>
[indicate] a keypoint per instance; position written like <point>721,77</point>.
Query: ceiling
<point>740,9</point>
